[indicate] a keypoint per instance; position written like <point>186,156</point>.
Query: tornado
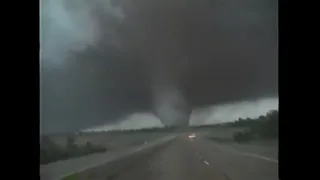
<point>158,39</point>
<point>170,105</point>
<point>168,97</point>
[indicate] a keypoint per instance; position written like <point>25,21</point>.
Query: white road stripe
<point>206,162</point>
<point>261,157</point>
<point>249,154</point>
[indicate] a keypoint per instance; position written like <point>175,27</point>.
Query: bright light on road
<point>192,136</point>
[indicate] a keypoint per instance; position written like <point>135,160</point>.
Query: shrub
<point>52,152</point>
<point>244,136</point>
<point>263,127</point>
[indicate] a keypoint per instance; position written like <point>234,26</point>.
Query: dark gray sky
<point>101,61</point>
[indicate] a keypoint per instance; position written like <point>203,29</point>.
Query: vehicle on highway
<point>192,136</point>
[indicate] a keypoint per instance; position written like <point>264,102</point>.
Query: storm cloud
<point>104,60</point>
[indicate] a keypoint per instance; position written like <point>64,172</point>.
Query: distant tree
<point>273,115</point>
<point>52,153</point>
<point>70,142</point>
<point>244,136</point>
<point>49,151</point>
<point>47,143</point>
<point>89,145</point>
<point>263,127</point>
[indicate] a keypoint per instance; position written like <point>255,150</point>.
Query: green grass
<point>220,139</point>
<point>71,177</point>
<point>53,153</point>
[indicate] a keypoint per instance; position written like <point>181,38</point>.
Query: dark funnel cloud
<point>103,60</point>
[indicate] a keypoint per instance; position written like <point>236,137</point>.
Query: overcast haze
<point>103,61</point>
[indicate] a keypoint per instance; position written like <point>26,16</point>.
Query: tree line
<point>51,152</point>
<point>261,128</point>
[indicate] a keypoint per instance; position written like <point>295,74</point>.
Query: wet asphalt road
<point>185,159</point>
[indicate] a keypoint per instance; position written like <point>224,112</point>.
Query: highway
<point>185,159</point>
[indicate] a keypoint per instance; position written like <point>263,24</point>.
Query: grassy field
<point>71,177</point>
<point>263,147</point>
<point>65,146</point>
<point>112,140</point>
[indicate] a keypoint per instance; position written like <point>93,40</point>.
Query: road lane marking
<point>206,162</point>
<point>261,157</point>
<point>249,154</point>
<point>255,156</point>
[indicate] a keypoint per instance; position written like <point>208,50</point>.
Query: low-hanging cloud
<point>101,60</point>
<point>233,111</point>
<point>72,26</point>
<point>134,121</point>
<point>62,30</point>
